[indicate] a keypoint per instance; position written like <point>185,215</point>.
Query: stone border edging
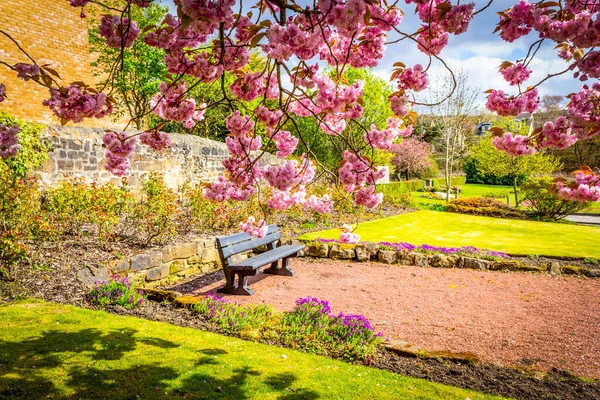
<point>369,251</point>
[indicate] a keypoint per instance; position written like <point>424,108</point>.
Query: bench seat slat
<point>250,244</point>
<point>230,240</point>
<point>267,257</point>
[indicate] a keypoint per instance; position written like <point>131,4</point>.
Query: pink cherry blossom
<point>517,145</point>
<point>2,92</point>
<point>254,228</point>
<point>557,134</point>
<point>118,149</point>
<point>27,71</point>
<point>71,103</point>
<point>510,105</point>
<point>321,205</point>
<point>284,141</point>
<point>516,74</point>
<point>399,105</point>
<point>118,33</point>
<point>156,140</point>
<point>9,142</point>
<point>413,79</point>
<point>457,19</point>
<point>170,104</point>
<point>347,236</point>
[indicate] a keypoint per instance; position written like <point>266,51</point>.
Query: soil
<point>516,319</point>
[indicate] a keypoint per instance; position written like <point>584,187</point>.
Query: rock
<point>175,251</point>
<point>594,273</point>
<point>206,243</point>
<point>146,260</point>
<point>119,266</point>
<point>504,265</point>
<point>440,261</point>
<point>387,256</point>
<point>403,348</point>
<point>366,251</point>
<point>318,250</point>
<point>157,273</point>
<point>404,259</point>
<point>476,263</point>
<point>91,275</point>
<point>338,251</point>
<point>555,269</point>
<point>178,265</point>
<point>420,260</point>
<point>209,255</point>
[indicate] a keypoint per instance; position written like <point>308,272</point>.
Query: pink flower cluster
<point>207,15</point>
<point>284,141</point>
<point>268,117</point>
<point>290,174</point>
<point>2,92</point>
<point>283,200</point>
<point>383,139</point>
<point>413,79</point>
<point>27,71</point>
<point>347,236</point>
<point>509,105</point>
<point>399,105</point>
<point>557,134</point>
<point>584,111</point>
<point>252,85</point>
<point>156,140</point>
<point>457,19</point>
<point>517,145</point>
<point>170,36</point>
<point>71,103</point>
<point>589,66</point>
<point>355,173</point>
<point>254,228</point>
<point>585,188</point>
<point>118,33</point>
<point>516,74</point>
<point>9,142</point>
<point>222,190</point>
<point>118,149</point>
<point>321,205</point>
<point>170,104</point>
<point>79,3</point>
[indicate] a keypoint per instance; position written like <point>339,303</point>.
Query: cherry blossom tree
<point>412,157</point>
<point>208,38</point>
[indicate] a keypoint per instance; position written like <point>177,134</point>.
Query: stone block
<point>420,260</point>
<point>318,250</point>
<point>386,256</point>
<point>555,269</point>
<point>119,266</point>
<point>476,263</point>
<point>504,265</point>
<point>209,255</point>
<point>338,251</point>
<point>366,251</point>
<point>150,259</point>
<point>91,275</point>
<point>404,259</point>
<point>157,273</point>
<point>403,348</point>
<point>178,265</point>
<point>181,250</point>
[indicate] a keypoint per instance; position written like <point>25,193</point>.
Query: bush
<point>474,175</point>
<point>32,151</point>
<point>483,206</point>
<point>153,219</point>
<point>116,291</point>
<point>544,203</point>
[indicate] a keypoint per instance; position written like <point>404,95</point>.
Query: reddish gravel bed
<point>519,319</point>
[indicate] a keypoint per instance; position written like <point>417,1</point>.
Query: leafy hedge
<point>474,175</point>
<point>414,185</point>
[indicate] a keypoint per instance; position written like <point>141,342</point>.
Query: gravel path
<point>529,320</point>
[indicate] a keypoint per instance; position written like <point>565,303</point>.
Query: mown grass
<point>454,230</point>
<point>469,190</point>
<point>64,352</point>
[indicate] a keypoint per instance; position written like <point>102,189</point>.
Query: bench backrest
<point>240,242</point>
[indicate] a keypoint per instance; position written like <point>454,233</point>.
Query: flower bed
<point>310,326</point>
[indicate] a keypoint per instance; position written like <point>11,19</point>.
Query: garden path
<point>514,319</point>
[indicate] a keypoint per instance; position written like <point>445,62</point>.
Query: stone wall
<point>171,263</point>
<point>53,33</point>
<point>78,152</point>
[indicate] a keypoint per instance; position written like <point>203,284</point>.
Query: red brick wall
<point>52,32</point>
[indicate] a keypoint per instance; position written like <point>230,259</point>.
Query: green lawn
<point>453,230</point>
<point>64,352</point>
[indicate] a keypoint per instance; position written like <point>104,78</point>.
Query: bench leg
<point>285,270</point>
<point>228,288</point>
<point>242,286</point>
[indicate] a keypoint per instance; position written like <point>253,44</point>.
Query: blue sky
<point>478,52</point>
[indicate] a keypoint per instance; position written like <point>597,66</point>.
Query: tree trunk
<point>406,175</point>
<point>516,192</point>
<point>138,123</point>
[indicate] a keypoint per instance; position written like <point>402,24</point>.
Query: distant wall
<point>78,152</point>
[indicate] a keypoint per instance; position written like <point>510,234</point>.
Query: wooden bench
<point>238,243</point>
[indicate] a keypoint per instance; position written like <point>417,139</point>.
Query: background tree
<point>454,115</point>
<point>140,67</point>
<point>490,160</point>
<point>412,158</point>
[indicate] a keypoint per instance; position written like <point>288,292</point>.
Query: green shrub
<point>544,203</point>
<point>153,219</point>
<point>483,206</point>
<point>68,206</point>
<point>116,291</point>
<point>474,175</point>
<point>32,151</point>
